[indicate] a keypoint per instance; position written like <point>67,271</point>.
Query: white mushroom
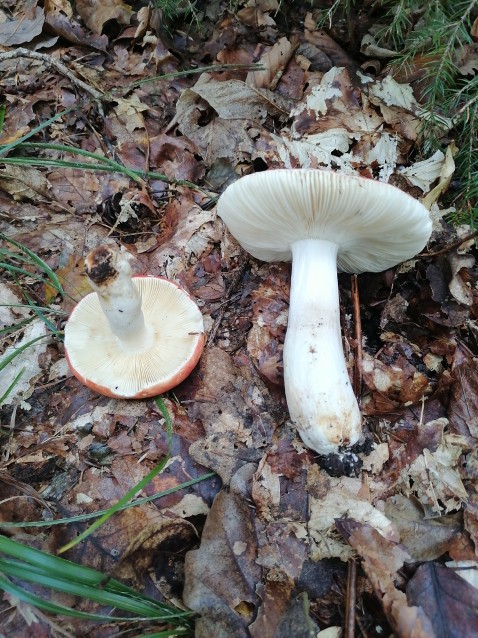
<point>322,221</point>
<point>132,337</point>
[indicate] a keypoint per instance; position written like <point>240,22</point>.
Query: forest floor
<point>272,540</point>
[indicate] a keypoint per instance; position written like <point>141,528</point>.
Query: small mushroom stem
<point>109,273</point>
<point>320,397</point>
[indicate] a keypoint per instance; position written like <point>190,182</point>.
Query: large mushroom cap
<point>375,225</point>
<point>175,342</point>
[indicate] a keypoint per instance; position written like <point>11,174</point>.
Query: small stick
<point>56,64</point>
<point>358,337</point>
<point>351,599</point>
<point>225,303</point>
<point>447,249</point>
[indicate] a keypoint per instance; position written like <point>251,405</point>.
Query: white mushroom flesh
<point>320,397</point>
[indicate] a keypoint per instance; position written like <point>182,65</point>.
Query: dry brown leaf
<point>425,538</point>
<point>96,14</point>
<point>275,61</point>
<point>381,560</point>
<point>25,182</point>
<point>221,576</point>
<point>256,13</point>
<point>331,499</point>
<point>474,30</point>
<point>463,408</point>
<point>58,6</point>
<point>231,438</point>
<point>23,29</point>
<point>391,384</point>
<point>448,600</point>
<point>433,477</point>
<point>459,285</point>
<point>326,44</point>
<point>73,187</point>
<point>217,116</point>
<point>467,62</point>
<point>62,25</point>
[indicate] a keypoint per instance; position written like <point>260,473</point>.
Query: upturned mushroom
<point>134,337</point>
<point>323,221</point>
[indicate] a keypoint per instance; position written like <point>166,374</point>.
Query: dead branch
<point>235,280</point>
<point>358,337</point>
<point>57,65</point>
<point>450,247</point>
<point>351,599</point>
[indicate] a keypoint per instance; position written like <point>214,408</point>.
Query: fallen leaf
<point>25,182</point>
<point>447,599</point>
<point>22,29</point>
<point>216,116</point>
<point>97,14</point>
<point>459,285</point>
<point>434,477</point>
<point>425,538</point>
<point>221,576</point>
<point>331,499</point>
<point>274,60</point>
<point>381,560</point>
<point>26,364</point>
<point>467,569</point>
<point>446,173</point>
<point>463,408</point>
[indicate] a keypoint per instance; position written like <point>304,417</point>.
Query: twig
<point>351,599</point>
<point>225,303</point>
<point>450,247</point>
<point>56,64</point>
<point>358,337</point>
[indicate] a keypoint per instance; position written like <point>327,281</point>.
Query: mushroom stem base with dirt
<point>320,397</point>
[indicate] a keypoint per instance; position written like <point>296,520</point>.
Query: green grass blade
<point>53,566</point>
<point>38,261</point>
<point>87,517</point>
<point>132,492</point>
<point>8,359</point>
<point>5,148</point>
<point>202,69</point>
<point>38,312</point>
<point>16,326</point>
<point>102,596</point>
<point>11,386</point>
<point>3,110</point>
<point>47,606</point>
<point>167,633</point>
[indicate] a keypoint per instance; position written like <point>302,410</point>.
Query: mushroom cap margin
<point>95,357</point>
<point>375,225</point>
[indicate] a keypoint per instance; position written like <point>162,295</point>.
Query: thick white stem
<point>121,303</point>
<point>320,397</point>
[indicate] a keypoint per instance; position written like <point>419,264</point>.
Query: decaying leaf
<point>216,116</point>
<point>446,173</point>
<point>424,172</point>
<point>97,14</point>
<point>22,29</point>
<point>434,478</point>
<point>25,182</point>
<point>333,499</point>
<point>25,367</point>
<point>274,60</point>
<point>448,600</point>
<point>381,560</point>
<point>221,575</point>
<point>425,538</point>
